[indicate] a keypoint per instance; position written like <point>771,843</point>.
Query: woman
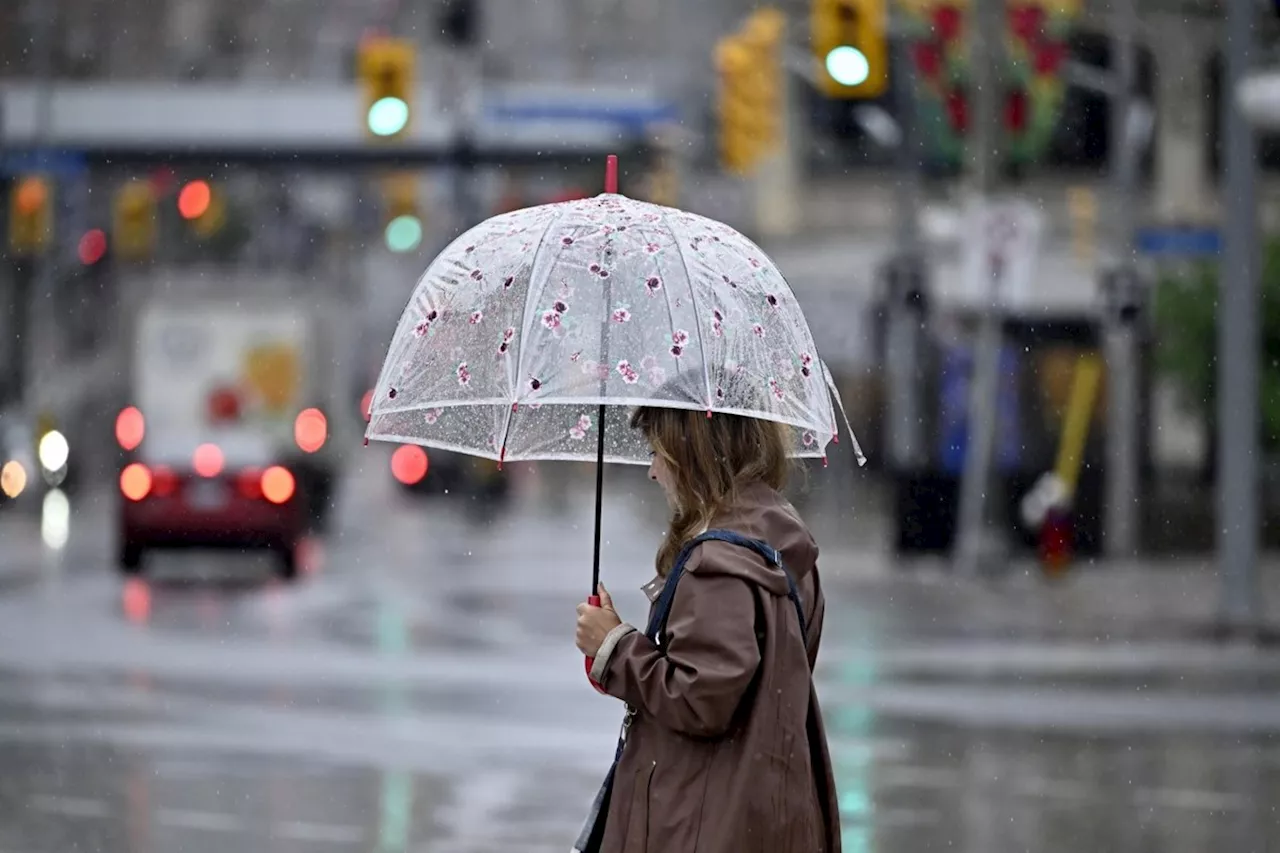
<point>725,749</point>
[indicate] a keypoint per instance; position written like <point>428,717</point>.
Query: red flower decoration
<point>1015,111</point>
<point>1049,57</point>
<point>946,21</point>
<point>928,59</point>
<point>957,110</point>
<point>1026,21</point>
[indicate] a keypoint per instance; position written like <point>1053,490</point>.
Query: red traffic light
<point>194,199</point>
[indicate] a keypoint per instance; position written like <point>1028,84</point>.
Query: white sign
<point>1000,246</point>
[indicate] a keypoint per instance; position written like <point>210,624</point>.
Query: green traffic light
<point>388,116</point>
<point>848,66</point>
<point>404,233</point>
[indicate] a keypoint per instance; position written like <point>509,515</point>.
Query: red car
<point>230,495</point>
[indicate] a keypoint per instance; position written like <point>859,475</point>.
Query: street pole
<point>985,34</point>
<point>462,82</point>
<point>906,294</point>
<point>776,183</point>
<point>1238,341</point>
<point>1121,513</point>
<point>38,325</point>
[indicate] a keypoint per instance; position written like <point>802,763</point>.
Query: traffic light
<point>203,206</point>
<point>749,68</point>
<point>404,223</point>
<point>386,74</point>
<point>737,139</point>
<point>849,39</point>
<point>133,232</point>
<point>30,216</point>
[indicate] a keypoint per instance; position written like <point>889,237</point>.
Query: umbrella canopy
<point>526,325</point>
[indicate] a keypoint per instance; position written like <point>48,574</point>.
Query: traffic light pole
<point>462,79</point>
<point>985,31</point>
<point>775,184</point>
<point>1238,342</point>
<point>1122,292</point>
<point>906,290</point>
<point>36,318</point>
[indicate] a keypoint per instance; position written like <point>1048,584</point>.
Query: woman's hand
<point>595,623</point>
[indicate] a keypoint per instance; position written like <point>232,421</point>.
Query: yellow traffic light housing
<point>386,68</point>
<point>30,216</point>
<point>737,143</point>
<point>763,35</point>
<point>849,40</point>
<point>134,228</point>
<point>403,230</point>
<point>750,103</point>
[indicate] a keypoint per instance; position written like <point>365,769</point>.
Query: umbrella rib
<point>526,321</point>
<point>697,315</point>
<point>835,392</point>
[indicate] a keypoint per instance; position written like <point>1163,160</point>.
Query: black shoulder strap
<point>662,608</point>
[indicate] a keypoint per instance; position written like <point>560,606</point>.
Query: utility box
<point>1037,363</point>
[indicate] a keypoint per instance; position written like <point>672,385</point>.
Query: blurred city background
<point>1036,242</point>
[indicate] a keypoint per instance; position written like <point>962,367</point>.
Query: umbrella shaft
<point>595,566</point>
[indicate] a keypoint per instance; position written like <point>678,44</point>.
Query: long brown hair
<point>711,461</point>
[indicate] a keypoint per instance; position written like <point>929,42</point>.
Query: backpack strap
<point>662,608</point>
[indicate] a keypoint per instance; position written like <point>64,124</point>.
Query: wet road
<point>418,691</point>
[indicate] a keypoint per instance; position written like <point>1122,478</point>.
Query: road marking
<point>1073,710</point>
<point>318,832</point>
<point>69,806</point>
<point>1053,789</point>
<point>955,661</point>
<point>1190,799</point>
<point>207,821</point>
<point>895,818</point>
<point>861,750</point>
<point>913,776</point>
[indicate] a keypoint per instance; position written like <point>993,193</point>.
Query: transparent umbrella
<point>533,336</point>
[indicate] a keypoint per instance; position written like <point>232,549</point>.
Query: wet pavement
<point>418,690</point>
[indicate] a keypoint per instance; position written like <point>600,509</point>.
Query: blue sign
<point>953,410</point>
<point>57,163</point>
<point>1183,242</point>
<point>634,117</point>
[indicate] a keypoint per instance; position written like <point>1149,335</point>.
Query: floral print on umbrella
<point>579,430</point>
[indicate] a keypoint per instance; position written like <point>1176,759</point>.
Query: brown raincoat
<point>726,752</point>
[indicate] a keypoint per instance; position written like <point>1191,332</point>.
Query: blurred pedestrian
<point>723,748</point>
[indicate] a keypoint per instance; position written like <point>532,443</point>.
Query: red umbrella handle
<point>594,601</point>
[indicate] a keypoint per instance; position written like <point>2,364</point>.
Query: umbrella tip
<point>366,441</point>
<point>611,173</point>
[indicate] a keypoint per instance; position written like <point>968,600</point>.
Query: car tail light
<point>164,482</point>
<point>409,464</point>
<point>277,484</point>
<point>135,481</point>
<point>249,483</point>
<point>208,460</point>
<point>130,428</point>
<point>13,478</point>
<point>310,430</point>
